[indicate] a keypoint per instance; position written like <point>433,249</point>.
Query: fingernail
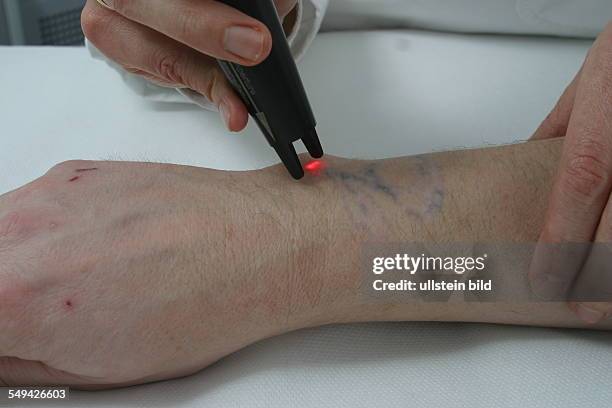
<point>225,114</point>
<point>108,3</point>
<point>589,315</point>
<point>244,42</point>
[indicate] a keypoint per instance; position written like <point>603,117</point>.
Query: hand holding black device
<point>273,91</point>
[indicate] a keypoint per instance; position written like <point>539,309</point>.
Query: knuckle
<point>191,25</point>
<point>170,68</point>
<point>94,24</point>
<point>132,70</point>
<point>587,172</point>
<point>211,90</point>
<point>121,6</point>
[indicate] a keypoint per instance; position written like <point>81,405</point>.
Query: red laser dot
<point>314,166</point>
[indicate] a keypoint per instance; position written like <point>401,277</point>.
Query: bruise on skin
<point>430,185</point>
<point>436,201</point>
<point>426,191</point>
<point>367,177</point>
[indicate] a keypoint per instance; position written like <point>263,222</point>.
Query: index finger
<point>209,26</point>
<point>584,180</point>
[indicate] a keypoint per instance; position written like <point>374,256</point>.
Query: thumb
<point>556,123</point>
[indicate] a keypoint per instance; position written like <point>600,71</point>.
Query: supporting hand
<point>580,209</point>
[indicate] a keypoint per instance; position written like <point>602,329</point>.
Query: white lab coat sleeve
<point>308,23</point>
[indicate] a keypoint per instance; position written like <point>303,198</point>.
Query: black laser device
<point>273,91</point>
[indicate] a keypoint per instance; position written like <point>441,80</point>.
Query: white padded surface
<point>375,95</point>
<point>565,18</point>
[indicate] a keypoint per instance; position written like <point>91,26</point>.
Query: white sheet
<point>375,95</point>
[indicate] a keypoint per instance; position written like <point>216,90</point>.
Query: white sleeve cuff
<point>308,22</point>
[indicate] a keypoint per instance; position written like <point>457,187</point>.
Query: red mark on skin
<point>68,304</point>
<point>315,167</point>
<point>75,178</point>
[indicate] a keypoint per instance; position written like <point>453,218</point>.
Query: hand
<point>175,43</point>
<point>114,274</point>
<point>580,209</point>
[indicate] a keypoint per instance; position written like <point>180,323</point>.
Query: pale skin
<point>580,207</point>
<point>114,274</point>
